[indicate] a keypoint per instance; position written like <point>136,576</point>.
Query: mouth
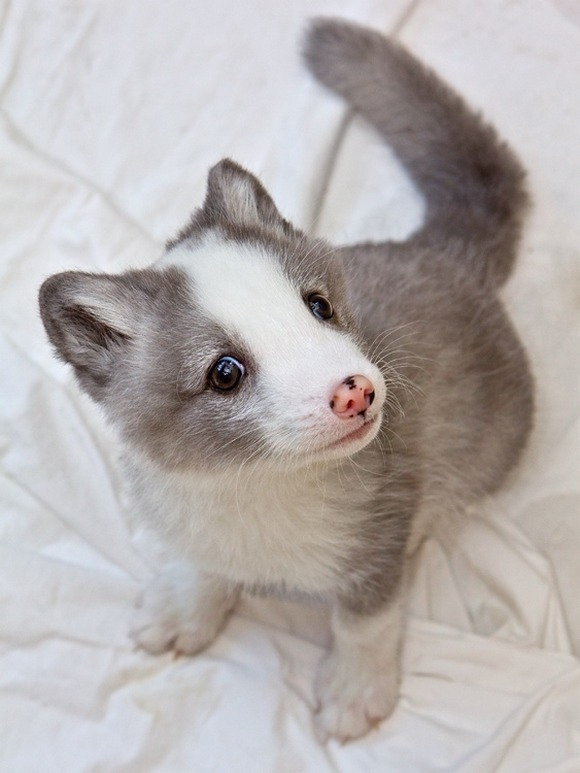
<point>356,435</point>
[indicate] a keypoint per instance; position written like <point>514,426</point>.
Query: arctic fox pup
<point>246,365</point>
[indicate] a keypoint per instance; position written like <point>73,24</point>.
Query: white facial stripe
<point>301,359</point>
<point>243,290</point>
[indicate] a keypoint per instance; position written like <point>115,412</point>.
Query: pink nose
<point>352,397</point>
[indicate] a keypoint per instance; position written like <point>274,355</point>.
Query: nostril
<point>352,397</point>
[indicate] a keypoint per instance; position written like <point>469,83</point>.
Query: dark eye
<point>320,306</point>
<point>226,374</point>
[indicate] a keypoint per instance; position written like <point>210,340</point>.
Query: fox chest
<point>269,538</point>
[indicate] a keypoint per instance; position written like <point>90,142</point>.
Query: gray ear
<point>90,320</point>
<point>236,196</point>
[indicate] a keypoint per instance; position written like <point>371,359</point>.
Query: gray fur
<point>459,392</point>
<point>130,337</point>
<point>462,394</point>
<point>472,182</point>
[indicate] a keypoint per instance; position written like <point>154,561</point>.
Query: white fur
<point>111,311</point>
<point>276,530</point>
<point>269,527</point>
<point>358,682</point>
<point>301,359</point>
<point>182,610</point>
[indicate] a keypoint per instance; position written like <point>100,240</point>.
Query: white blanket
<point>111,114</point>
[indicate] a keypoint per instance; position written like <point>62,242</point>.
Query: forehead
<point>245,290</point>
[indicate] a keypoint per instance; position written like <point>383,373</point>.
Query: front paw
<point>354,694</point>
<point>179,612</point>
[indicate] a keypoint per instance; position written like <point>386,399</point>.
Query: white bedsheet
<point>111,114</point>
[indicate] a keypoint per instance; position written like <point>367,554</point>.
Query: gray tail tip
<point>330,42</point>
<point>318,30</point>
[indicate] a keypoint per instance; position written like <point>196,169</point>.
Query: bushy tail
<point>473,184</point>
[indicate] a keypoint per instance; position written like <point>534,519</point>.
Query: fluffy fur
<point>265,486</point>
